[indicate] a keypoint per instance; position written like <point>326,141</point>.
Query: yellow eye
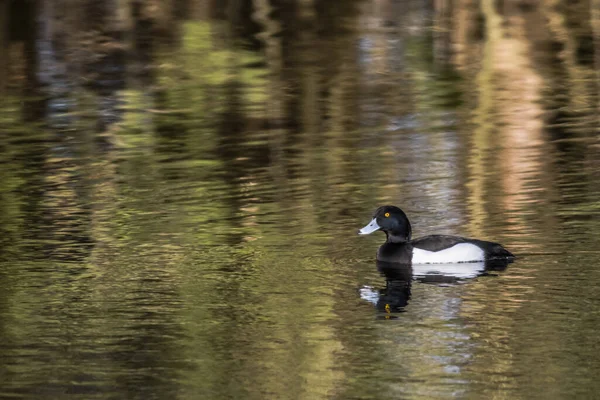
<point>387,214</point>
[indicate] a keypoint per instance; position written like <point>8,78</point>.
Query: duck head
<point>392,221</point>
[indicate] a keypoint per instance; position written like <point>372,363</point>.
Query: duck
<point>399,246</point>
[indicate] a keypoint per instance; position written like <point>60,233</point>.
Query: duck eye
<point>387,214</point>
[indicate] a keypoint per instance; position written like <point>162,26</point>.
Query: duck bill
<point>372,227</point>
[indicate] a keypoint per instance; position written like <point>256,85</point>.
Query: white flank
<point>460,271</point>
<point>462,252</point>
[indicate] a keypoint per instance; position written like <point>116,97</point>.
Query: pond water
<point>179,219</point>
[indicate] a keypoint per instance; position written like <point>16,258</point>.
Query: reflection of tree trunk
<point>34,106</point>
<point>595,21</point>
<point>3,44</point>
<point>311,112</point>
<point>572,27</point>
<point>142,46</point>
<point>442,28</point>
<point>466,32</point>
<point>507,70</point>
<point>273,48</point>
<point>198,9</point>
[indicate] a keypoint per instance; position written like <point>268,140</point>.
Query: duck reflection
<point>399,277</point>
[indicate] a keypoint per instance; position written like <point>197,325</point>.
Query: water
<point>179,205</point>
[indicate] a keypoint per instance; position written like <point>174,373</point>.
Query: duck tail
<point>497,251</point>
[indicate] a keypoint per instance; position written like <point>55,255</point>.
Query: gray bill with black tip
<point>372,227</point>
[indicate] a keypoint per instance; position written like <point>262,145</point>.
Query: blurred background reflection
<point>181,183</point>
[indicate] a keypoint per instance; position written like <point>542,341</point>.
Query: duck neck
<point>395,237</point>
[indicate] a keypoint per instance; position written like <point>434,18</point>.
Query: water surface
<point>180,197</point>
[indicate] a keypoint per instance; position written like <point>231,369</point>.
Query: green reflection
<point>180,188</point>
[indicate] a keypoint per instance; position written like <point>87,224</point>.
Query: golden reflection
<point>572,30</point>
<point>509,119</point>
<point>506,153</point>
<point>214,222</point>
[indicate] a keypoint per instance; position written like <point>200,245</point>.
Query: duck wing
<point>443,242</point>
<point>438,242</point>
